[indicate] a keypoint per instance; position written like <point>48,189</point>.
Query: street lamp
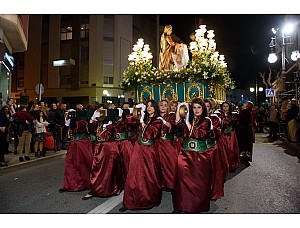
<point>119,99</point>
<point>105,93</point>
<point>256,89</point>
<point>286,40</point>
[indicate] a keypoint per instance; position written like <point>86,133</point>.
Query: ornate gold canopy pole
<point>159,92</point>
<point>184,95</point>
<point>137,95</point>
<point>176,90</point>
<point>152,94</point>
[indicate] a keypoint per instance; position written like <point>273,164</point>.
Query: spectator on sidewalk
<point>283,110</point>
<point>65,127</point>
<point>35,108</point>
<point>4,123</point>
<point>57,121</point>
<point>5,112</point>
<point>273,122</point>
<point>291,117</point>
<point>24,122</point>
<point>261,119</point>
<point>43,108</point>
<point>40,124</point>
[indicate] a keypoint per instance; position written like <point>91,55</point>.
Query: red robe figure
<point>143,183</point>
<point>194,170</point>
<point>245,131</point>
<point>106,168</point>
<point>165,146</point>
<point>178,134</point>
<point>222,145</point>
<point>125,127</point>
<point>230,136</point>
<point>218,156</point>
<point>78,161</point>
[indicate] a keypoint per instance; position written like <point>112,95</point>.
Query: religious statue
<point>172,56</point>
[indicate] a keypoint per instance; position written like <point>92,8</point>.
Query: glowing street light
<point>105,93</point>
<point>256,89</point>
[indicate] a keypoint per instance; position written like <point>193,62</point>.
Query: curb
<point>18,163</point>
<point>294,146</point>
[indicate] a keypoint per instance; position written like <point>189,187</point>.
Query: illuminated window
<point>65,80</point>
<point>108,80</point>
<point>66,33</point>
<point>84,30</point>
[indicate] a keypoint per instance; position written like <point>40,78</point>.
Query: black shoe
<point>27,158</point>
<point>61,190</point>
<point>176,211</point>
<point>122,209</point>
<point>43,154</point>
<point>118,193</point>
<point>88,196</point>
<point>3,164</point>
<point>21,159</point>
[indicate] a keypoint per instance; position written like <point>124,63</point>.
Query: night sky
<point>243,39</point>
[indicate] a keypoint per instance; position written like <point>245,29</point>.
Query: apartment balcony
<point>15,29</point>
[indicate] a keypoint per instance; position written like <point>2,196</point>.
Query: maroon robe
<point>245,134</point>
<point>194,172</point>
<point>168,152</point>
<point>105,173</point>
<point>125,145</point>
<point>222,145</point>
<point>78,164</point>
<point>230,138</point>
<point>219,160</point>
<point>143,183</point>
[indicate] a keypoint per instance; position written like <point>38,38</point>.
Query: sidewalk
<point>294,146</point>
<point>12,159</point>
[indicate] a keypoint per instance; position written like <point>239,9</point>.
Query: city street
<point>269,185</point>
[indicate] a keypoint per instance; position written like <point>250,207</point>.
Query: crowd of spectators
<point>280,119</point>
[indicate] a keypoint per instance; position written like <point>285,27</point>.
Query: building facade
<point>74,58</point>
<point>13,39</point>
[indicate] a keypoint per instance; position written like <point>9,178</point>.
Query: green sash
<point>121,136</point>
<point>210,143</point>
<point>147,142</point>
<point>167,136</point>
<point>94,138</point>
<point>130,133</point>
<point>79,136</point>
<point>194,145</point>
<point>228,129</point>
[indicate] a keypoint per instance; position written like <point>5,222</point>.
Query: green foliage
<point>200,69</point>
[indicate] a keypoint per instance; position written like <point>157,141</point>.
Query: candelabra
<point>140,53</point>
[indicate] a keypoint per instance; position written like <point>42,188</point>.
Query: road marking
<point>108,205</point>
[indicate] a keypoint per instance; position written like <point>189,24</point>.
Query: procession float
<point>178,77</point>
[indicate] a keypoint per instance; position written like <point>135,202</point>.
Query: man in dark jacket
<point>57,122</point>
<point>24,122</point>
<point>291,116</point>
<point>4,123</point>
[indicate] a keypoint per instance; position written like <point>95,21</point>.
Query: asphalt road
<point>270,185</point>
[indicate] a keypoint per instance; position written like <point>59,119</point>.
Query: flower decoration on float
<point>206,62</point>
<point>206,65</point>
<point>140,66</point>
